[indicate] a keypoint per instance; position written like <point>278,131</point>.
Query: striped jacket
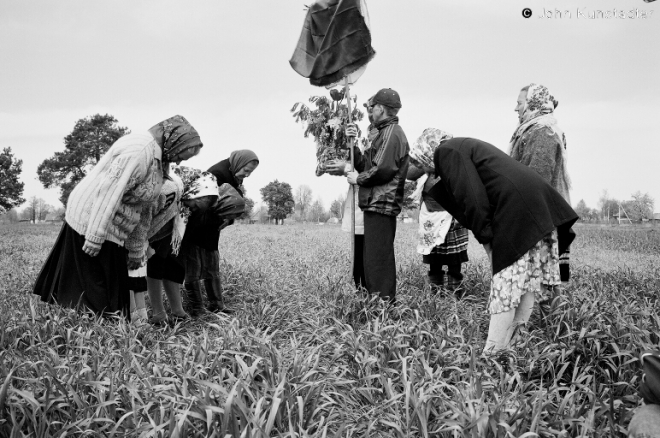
<point>383,167</point>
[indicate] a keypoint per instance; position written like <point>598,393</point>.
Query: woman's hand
<point>337,167</point>
<point>133,264</point>
<point>91,249</point>
<point>351,130</point>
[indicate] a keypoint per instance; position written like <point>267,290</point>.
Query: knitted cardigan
<point>113,202</point>
<point>541,149</point>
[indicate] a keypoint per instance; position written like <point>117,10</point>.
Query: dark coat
<point>204,228</point>
<point>502,201</point>
<point>383,167</point>
<point>223,174</point>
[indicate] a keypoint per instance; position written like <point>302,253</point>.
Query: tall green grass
<point>305,356</point>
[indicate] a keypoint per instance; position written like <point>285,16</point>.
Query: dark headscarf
<point>224,172</point>
<point>175,135</point>
<point>239,159</point>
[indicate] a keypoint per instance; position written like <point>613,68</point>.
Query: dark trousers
<point>358,262</point>
<point>379,264</point>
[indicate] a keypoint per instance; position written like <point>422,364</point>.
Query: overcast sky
<point>457,64</point>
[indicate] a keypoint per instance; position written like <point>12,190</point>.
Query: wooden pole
<point>347,91</point>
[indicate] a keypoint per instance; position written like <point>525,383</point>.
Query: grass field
<point>305,356</point>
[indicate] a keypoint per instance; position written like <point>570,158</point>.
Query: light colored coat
<point>114,201</point>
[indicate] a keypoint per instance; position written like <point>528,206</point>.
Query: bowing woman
<point>523,223</point>
<point>108,216</point>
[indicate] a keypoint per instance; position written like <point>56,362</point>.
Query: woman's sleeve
<point>358,159</point>
<point>123,169</point>
<point>460,177</point>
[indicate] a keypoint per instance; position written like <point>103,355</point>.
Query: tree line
<point>637,209</point>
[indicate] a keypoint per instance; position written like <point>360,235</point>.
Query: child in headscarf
<point>442,241</point>
<point>163,270</point>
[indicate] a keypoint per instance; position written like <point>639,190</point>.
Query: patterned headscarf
<point>196,184</point>
<point>424,147</point>
<point>240,158</point>
<point>539,102</point>
<point>176,135</point>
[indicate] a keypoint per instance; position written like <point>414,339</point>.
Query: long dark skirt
<point>73,279</point>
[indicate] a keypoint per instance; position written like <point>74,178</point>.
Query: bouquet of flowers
<point>327,123</point>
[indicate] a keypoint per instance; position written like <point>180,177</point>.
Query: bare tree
<point>43,209</point>
<point>36,210</point>
<point>31,210</point>
<point>317,210</point>
<point>303,199</point>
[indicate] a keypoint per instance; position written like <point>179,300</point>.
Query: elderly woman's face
<point>199,204</point>
<point>186,154</point>
<point>246,170</point>
<point>520,107</point>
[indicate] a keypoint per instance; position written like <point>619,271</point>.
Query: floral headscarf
<point>196,184</point>
<point>421,153</point>
<point>539,102</point>
<point>240,158</point>
<point>176,135</point>
<point>424,147</point>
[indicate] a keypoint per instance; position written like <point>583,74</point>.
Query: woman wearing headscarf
<point>539,143</point>
<point>523,223</point>
<point>200,253</point>
<point>193,194</point>
<point>442,241</point>
<point>108,216</point>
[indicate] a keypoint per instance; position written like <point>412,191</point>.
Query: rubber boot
<point>194,293</point>
<point>436,280</point>
<point>455,280</point>
<point>213,288</point>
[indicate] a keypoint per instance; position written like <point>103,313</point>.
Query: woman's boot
<point>214,294</point>
<point>194,293</point>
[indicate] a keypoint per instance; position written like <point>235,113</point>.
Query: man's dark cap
<point>387,97</point>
